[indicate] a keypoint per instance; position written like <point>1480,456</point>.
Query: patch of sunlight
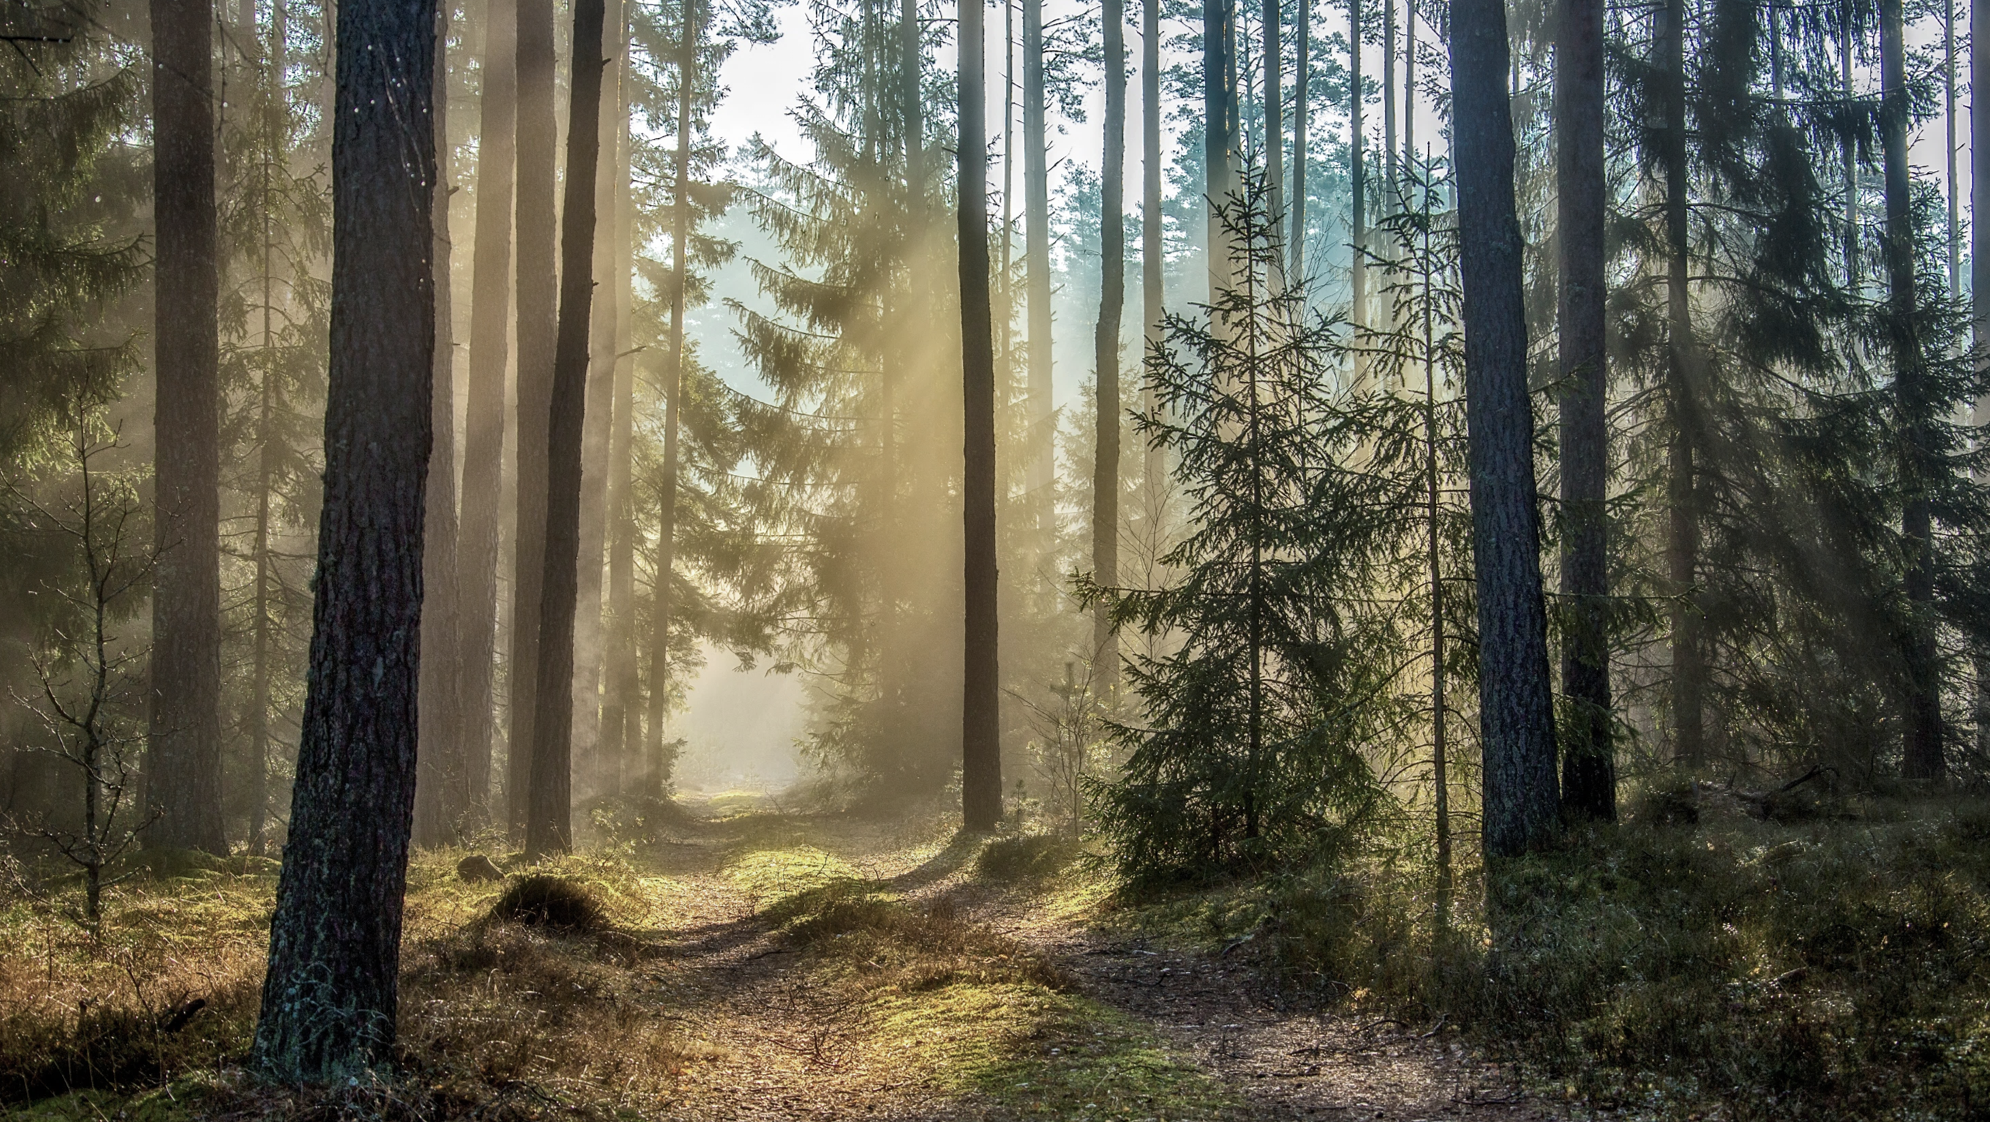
<point>1043,1054</point>
<point>770,874</point>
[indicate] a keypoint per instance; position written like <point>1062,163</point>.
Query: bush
<point>554,902</point>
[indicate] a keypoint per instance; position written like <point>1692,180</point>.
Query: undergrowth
<point>1821,969</point>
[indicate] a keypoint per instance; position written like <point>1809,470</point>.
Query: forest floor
<point>751,964</point>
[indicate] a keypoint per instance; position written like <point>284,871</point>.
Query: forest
<point>1328,559</point>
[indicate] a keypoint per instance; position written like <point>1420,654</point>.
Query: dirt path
<point>778,1046</point>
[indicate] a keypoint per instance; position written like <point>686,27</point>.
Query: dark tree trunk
<point>1274,118</point>
<point>1589,788</point>
<point>1153,260</point>
<point>981,713</point>
<point>673,389</point>
<point>1301,89</point>
<point>1357,178</point>
<point>595,439</point>
<point>537,324</point>
<point>1041,446</point>
<point>1689,675</point>
<point>183,773</point>
<point>1979,290</point>
<point>328,1006</point>
<point>1516,711</point>
<point>1105,347</point>
<point>549,827</point>
<point>483,428</point>
<point>441,797</point>
<point>1924,756</point>
<point>1219,18</point>
<point>622,699</point>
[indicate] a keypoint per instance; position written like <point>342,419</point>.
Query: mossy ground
<point>832,967</point>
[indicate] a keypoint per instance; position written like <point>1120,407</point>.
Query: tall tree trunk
<point>1516,712</point>
<point>1588,769</point>
<point>1357,179</point>
<point>595,435</point>
<point>483,425</point>
<point>1008,326</point>
<point>1105,346</point>
<point>1948,121</point>
<point>1219,18</point>
<point>981,713</point>
<point>1153,261</point>
<point>1683,541</point>
<point>537,325</point>
<point>1440,751</point>
<point>1923,755</point>
<point>621,711</point>
<point>1979,286</point>
<point>1042,445</point>
<point>440,793</point>
<point>1272,19</point>
<point>673,389</point>
<point>1302,85</point>
<point>329,997</point>
<point>549,827</point>
<point>1852,271</point>
<point>1392,199</point>
<point>275,113</point>
<point>183,774</point>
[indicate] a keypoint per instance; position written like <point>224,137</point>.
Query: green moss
<point>1036,1053</point>
<point>771,873</point>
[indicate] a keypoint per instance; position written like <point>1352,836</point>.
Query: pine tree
<point>330,994</point>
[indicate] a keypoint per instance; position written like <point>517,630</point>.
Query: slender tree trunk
<point>483,428</point>
<point>1153,261</point>
<point>183,780</point>
<point>1272,18</point>
<point>595,438</point>
<point>1302,83</point>
<point>1588,768</point>
<point>1105,347</point>
<point>1440,753</point>
<point>1409,83</point>
<point>1979,287</point>
<point>1948,121</point>
<point>1219,133</point>
<point>549,827</point>
<point>673,389</point>
<point>1516,712</point>
<point>537,325</point>
<point>275,111</point>
<point>1357,179</point>
<point>1852,220</point>
<point>1390,174</point>
<point>1683,543</point>
<point>1042,446</point>
<point>1924,756</point>
<point>981,714</point>
<point>622,705</point>
<point>1008,191</point>
<point>329,997</point>
<point>440,792</point>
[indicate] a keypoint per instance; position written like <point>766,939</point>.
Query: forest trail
<point>1203,1037</point>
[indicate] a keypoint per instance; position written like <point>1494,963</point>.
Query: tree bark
<point>276,112</point>
<point>1588,767</point>
<point>483,427</point>
<point>1301,89</point>
<point>1153,260</point>
<point>1357,179</point>
<point>981,714</point>
<point>549,827</point>
<point>1683,542</point>
<point>1274,119</point>
<point>673,389</point>
<point>329,997</point>
<point>1040,477</point>
<point>596,436</point>
<point>183,780</point>
<point>1105,347</point>
<point>1516,712</point>
<point>537,325</point>
<point>1219,19</point>
<point>1923,758</point>
<point>620,719</point>
<point>441,796</point>
<point>1979,289</point>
